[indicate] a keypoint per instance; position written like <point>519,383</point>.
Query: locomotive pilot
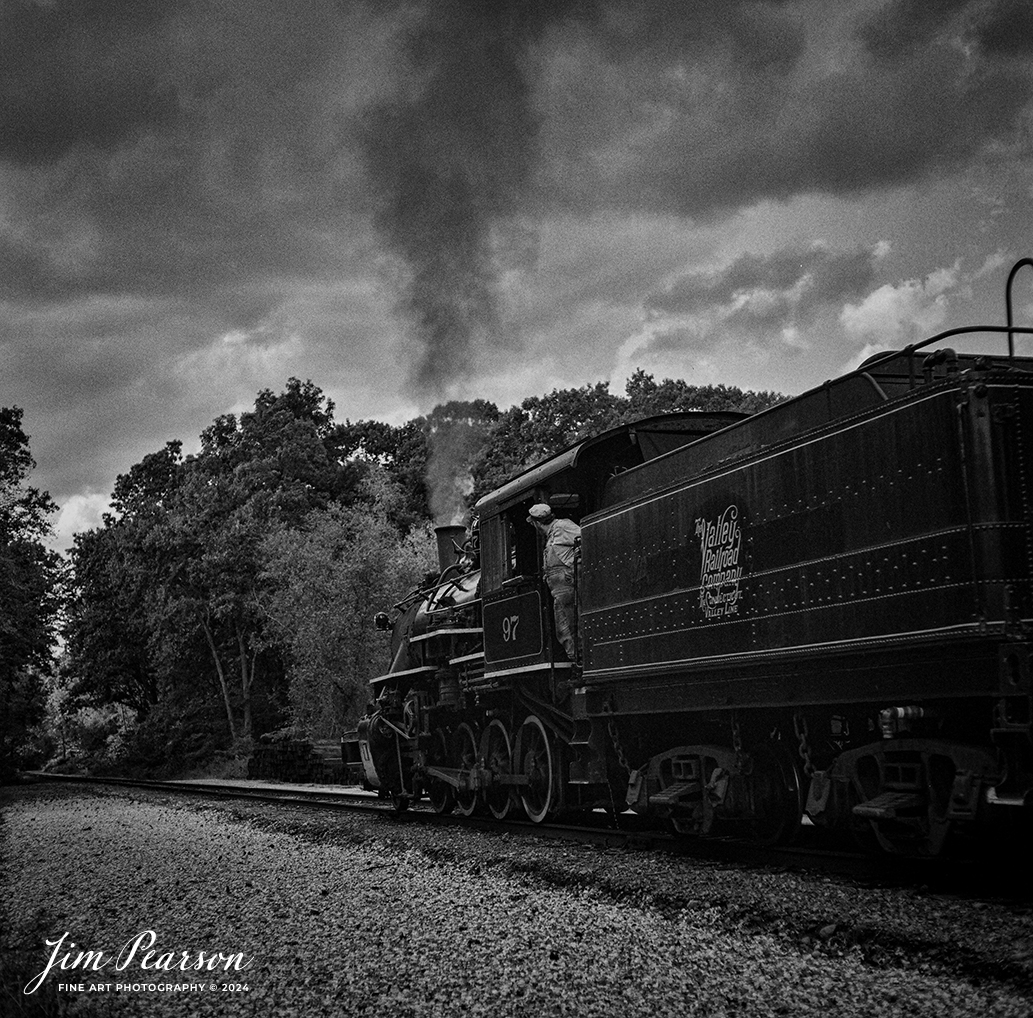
<point>561,539</point>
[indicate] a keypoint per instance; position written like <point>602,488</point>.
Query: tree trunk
<point>247,677</point>
<point>222,678</point>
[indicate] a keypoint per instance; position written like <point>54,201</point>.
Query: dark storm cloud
<point>903,26</point>
<point>699,131</point>
<point>198,144</point>
<point>172,174</point>
<point>674,341</point>
<point>202,149</point>
<point>1004,28</point>
<point>207,142</point>
<point>75,72</point>
<point>755,33</point>
<point>1000,28</point>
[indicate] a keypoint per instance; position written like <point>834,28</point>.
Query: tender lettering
<point>720,545</point>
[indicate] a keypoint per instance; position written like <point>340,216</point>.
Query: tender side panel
<point>856,537</point>
<point>1000,419</point>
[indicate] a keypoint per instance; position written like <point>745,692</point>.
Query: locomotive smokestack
<point>446,535</point>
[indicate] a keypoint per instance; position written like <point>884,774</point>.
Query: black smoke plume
<point>451,163</point>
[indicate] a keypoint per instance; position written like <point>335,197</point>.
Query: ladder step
<point>672,793</point>
<point>890,805</point>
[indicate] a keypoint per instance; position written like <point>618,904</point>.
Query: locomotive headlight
<point>381,620</point>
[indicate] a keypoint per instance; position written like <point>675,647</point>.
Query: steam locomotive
<point>822,610</point>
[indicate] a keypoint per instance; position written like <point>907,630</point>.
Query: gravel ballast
<point>345,915</point>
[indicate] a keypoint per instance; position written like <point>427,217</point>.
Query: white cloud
<point>793,337</point>
<point>868,350</point>
<point>914,307</point>
<point>233,364</point>
<point>997,260</point>
<point>79,513</point>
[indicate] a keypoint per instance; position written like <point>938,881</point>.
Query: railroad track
<point>635,834</point>
<point>814,852</point>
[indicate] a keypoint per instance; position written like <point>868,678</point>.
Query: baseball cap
<point>539,513</point>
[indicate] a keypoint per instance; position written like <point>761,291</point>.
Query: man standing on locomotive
<point>561,540</point>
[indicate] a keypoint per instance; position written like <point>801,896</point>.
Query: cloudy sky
<point>411,202</point>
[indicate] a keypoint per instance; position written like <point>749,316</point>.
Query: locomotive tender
<point>822,609</point>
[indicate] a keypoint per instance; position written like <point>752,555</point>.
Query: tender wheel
<point>534,760</point>
<point>439,793</point>
<point>464,756</point>
<point>778,797</point>
<point>498,758</point>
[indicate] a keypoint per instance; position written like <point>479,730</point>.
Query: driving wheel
<point>534,761</point>
<point>498,759</point>
<point>464,757</point>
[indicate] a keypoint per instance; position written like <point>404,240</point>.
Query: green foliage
<point>401,451</point>
<point>166,593</point>
<point>118,572</point>
<point>179,736</point>
<point>23,701</point>
<point>108,635</point>
<point>326,582</point>
<point>645,397</point>
<point>284,448</point>
<point>29,593</point>
<point>150,484</point>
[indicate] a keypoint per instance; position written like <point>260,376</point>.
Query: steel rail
<point>818,852</point>
<point>632,834</point>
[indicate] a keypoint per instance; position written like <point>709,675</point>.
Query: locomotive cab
<point>520,642</point>
<point>518,631</point>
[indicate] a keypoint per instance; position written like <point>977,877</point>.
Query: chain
<point>800,727</point>
<point>737,742</point>
<point>611,726</point>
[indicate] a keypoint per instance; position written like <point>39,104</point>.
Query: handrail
<point>911,350</point>
<point>1010,329</point>
<point>1007,302</point>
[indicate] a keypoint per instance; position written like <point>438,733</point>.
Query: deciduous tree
<point>29,602</point>
<point>325,582</point>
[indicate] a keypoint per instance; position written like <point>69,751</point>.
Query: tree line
<point>230,593</point>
